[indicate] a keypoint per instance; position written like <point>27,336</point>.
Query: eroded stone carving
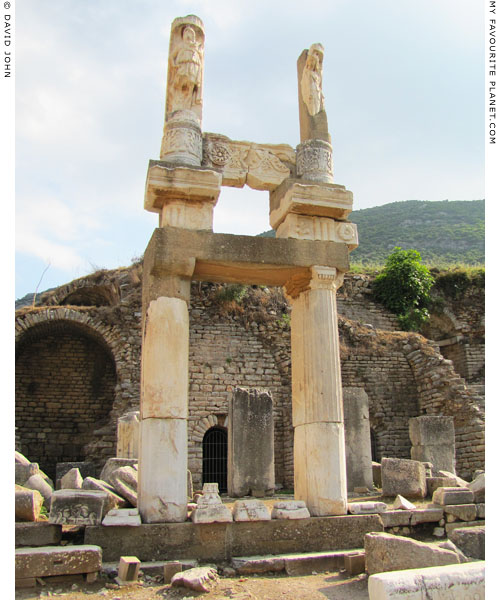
<point>311,83</point>
<point>318,228</point>
<point>260,166</point>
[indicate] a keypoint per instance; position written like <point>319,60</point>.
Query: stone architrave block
<point>198,579</point>
<point>452,495</point>
<point>72,480</point>
<point>165,357</point>
<point>450,582</point>
<point>404,477</point>
<point>478,487</point>
<point>115,463</point>
<point>366,508</point>
<point>24,471</point>
<point>250,510</point>
<point>433,483</point>
<point>357,438</point>
<point>128,517</point>
<point>113,501</point>
<point>86,468</point>
<point>28,504</point>
<point>470,540</point>
<point>77,507</point>
<point>37,482</point>
<point>250,443</point>
<point>462,512</point>
<point>127,435</point>
<point>162,472</point>
<point>319,468</point>
<point>38,534</point>
<point>124,481</point>
<point>48,561</point>
<point>290,509</point>
<point>386,552</point>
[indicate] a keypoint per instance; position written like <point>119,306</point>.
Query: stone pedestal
<point>357,438</point>
<point>127,435</point>
<point>250,443</point>
<point>162,494</point>
<point>319,447</point>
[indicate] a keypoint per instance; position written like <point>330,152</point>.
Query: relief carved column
<point>319,451</point>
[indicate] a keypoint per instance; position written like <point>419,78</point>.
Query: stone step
<point>292,564</point>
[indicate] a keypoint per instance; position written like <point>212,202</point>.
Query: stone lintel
<point>221,257</point>
<point>311,199</point>
<point>318,228</point>
<point>167,183</point>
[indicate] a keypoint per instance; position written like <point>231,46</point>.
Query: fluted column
<point>319,452</point>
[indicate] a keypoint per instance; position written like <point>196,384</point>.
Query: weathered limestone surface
<point>471,540</point>
<point>386,552</point>
<point>72,480</point>
<point>462,512</point>
<point>49,560</point>
<point>250,510</point>
<point>77,507</point>
<point>433,440</point>
<point>402,503</point>
<point>124,481</point>
<point>250,443</point>
<point>290,509</point>
<point>433,483</point>
<point>123,517</point>
<point>452,495</point>
<point>113,499</point>
<point>402,476</point>
<point>357,438</point>
<point>23,471</point>
<point>162,470</point>
<point>86,468</point>
<point>37,482</point>
<point>478,487</point>
<point>209,507</point>
<point>28,504</point>
<point>451,582</point>
<point>37,534</point>
<point>366,508</point>
<point>127,435</point>
<point>115,463</point>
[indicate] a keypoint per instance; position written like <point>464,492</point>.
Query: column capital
<point>320,278</point>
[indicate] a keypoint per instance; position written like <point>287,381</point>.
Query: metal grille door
<point>215,457</point>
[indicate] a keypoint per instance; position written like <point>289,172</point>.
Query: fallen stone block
<point>86,468</point>
<point>449,545</point>
<point>433,483</point>
<point>200,579</point>
<point>113,499</point>
<point>449,527</point>
<point>77,507</point>
<point>124,481</point>
<point>37,534</point>
<point>290,509</point>
<point>128,570</point>
<point>170,569</point>
<point>37,482</point>
<point>354,563</point>
<point>462,512</point>
<point>21,459</point>
<point>24,471</point>
<point>395,518</point>
<point>115,463</point>
<point>128,517</point>
<point>403,476</point>
<point>250,510</point>
<point>25,582</point>
<point>386,552</point>
<point>459,482</point>
<point>28,504</point>
<point>377,474</point>
<point>211,513</point>
<point>426,515</point>
<point>401,503</point>
<point>313,562</point>
<point>258,564</point>
<point>72,480</point>
<point>451,582</point>
<point>452,495</point>
<point>366,508</point>
<point>471,540</point>
<point>481,512</point>
<point>478,487</point>
<point>54,560</point>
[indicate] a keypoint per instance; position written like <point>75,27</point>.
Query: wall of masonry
<point>248,343</point>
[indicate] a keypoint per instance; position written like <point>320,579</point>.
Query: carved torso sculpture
<point>186,65</point>
<point>311,83</point>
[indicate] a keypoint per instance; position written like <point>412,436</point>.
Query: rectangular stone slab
<point>221,257</point>
<point>221,541</point>
<point>38,534</point>
<point>53,560</point>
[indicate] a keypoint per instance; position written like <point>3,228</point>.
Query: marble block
<point>77,507</point>
<point>250,510</point>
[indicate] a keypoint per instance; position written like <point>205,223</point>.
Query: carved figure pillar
<point>319,450</point>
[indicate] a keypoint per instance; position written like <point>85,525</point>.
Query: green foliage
<point>284,321</point>
<point>455,282</point>
<point>232,293</point>
<point>403,287</point>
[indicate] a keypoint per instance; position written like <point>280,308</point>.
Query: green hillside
<point>444,232</point>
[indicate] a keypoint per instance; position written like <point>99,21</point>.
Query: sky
<point>404,95</point>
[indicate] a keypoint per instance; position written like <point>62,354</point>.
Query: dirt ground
<point>331,586</point>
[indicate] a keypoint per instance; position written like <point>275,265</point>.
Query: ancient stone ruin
<point>361,425</point>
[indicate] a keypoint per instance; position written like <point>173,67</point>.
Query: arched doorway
<point>215,457</point>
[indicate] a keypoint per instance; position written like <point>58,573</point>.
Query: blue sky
<point>404,94</point>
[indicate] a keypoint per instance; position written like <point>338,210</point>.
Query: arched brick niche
<point>65,388</point>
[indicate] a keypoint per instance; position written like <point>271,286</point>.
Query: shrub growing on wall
<point>403,287</point>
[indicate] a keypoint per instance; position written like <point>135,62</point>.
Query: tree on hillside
<point>403,287</point>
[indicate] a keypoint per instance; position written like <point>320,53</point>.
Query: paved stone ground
<point>323,586</point>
